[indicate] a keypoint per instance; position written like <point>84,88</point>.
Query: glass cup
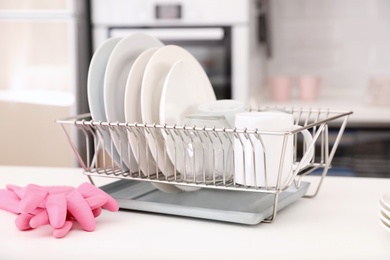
<point>208,152</point>
<point>309,87</point>
<point>280,88</point>
<point>222,107</point>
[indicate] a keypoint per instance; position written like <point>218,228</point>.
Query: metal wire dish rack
<point>193,171</point>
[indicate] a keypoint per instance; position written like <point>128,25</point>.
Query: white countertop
<point>364,113</point>
<point>40,97</point>
<point>340,223</point>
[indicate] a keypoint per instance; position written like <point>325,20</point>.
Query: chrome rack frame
<point>101,148</point>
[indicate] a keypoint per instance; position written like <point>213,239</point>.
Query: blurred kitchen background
<point>46,46</point>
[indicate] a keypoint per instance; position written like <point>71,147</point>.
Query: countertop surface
<point>364,113</point>
<point>341,222</point>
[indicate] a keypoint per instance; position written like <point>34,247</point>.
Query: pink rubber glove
<point>32,197</point>
<point>57,206</point>
<point>88,190</point>
<point>39,219</point>
<point>60,189</point>
<point>9,201</point>
<point>22,221</point>
<point>96,212</point>
<point>96,201</point>
<point>61,232</point>
<point>13,188</point>
<point>80,210</point>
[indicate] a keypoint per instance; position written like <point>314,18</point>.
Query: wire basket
<point>191,157</point>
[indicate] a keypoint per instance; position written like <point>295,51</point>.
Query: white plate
<point>133,115</point>
<point>185,87</point>
<point>386,200</point>
<point>384,218</point>
<point>118,67</point>
<point>95,88</point>
<point>384,225</point>
<point>384,208</point>
<point>152,84</point>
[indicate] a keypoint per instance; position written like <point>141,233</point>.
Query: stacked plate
<point>384,214</point>
<point>138,79</point>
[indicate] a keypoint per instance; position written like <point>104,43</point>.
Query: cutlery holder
<point>184,147</point>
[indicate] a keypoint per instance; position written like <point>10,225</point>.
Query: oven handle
<point>172,34</point>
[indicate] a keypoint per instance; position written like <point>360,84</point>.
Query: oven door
<point>211,46</point>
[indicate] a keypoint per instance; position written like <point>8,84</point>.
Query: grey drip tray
<point>243,207</point>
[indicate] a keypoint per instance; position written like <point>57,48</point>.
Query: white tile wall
<point>345,42</point>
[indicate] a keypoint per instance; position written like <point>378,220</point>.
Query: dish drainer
<point>216,195</point>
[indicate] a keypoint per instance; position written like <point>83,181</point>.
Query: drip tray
<point>242,207</point>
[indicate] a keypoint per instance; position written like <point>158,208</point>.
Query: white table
<point>364,114</point>
<point>340,223</point>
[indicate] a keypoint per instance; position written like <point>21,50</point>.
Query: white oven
<point>226,36</point>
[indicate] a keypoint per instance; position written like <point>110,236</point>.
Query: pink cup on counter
<point>309,87</point>
<point>280,88</point>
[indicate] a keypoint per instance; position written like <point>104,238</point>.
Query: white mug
<point>269,164</point>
